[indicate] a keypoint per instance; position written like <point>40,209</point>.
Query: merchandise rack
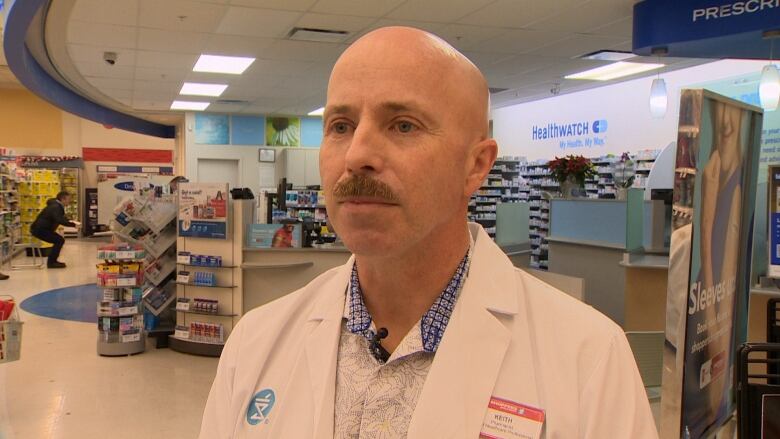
<point>36,188</point>
<point>10,216</point>
<point>502,185</point>
<point>120,314</point>
<point>540,183</point>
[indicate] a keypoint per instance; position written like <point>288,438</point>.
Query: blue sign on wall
<point>705,28</point>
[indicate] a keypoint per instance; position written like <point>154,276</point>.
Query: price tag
<point>125,281</point>
<point>183,305</point>
<point>180,333</point>
<point>183,277</point>
<point>125,254</point>
<point>129,338</point>
<point>128,310</point>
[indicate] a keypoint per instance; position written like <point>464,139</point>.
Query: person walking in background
<point>45,226</point>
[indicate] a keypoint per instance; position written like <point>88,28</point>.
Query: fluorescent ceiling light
<point>609,55</point>
<point>189,105</point>
<point>769,88</point>
<point>614,71</point>
<point>318,112</point>
<point>197,89</point>
<point>233,65</point>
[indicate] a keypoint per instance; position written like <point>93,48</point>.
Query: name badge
<point>510,420</point>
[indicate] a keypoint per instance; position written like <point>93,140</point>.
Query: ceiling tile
<point>583,17</point>
<point>279,68</point>
<point>576,45</point>
<point>303,51</point>
<point>257,22</point>
<point>198,17</point>
<point>440,11</point>
<point>287,5</point>
<point>151,104</point>
<point>465,37</point>
<point>146,58</point>
<point>362,8</point>
<point>484,60</point>
<point>518,13</point>
<point>104,70</point>
<point>519,41</point>
<point>80,53</point>
<point>98,34</point>
<point>117,93</point>
<point>158,74</point>
<point>235,45</point>
<point>217,107</point>
<point>171,41</point>
<point>334,22</point>
<point>620,28</point>
<point>124,12</point>
<point>385,22</point>
<point>101,83</point>
<point>157,86</point>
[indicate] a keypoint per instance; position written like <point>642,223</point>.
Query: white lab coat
<point>510,336</point>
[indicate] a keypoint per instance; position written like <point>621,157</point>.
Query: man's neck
<point>399,290</point>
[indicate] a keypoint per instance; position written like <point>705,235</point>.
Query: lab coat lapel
<point>322,345</point>
<point>463,375</point>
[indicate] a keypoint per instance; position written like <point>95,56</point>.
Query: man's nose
<point>366,151</point>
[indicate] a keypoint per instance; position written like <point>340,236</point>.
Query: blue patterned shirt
<point>433,322</point>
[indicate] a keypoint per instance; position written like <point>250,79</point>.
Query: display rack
<point>503,184</point>
<point>70,182</point>
<point>606,177</point>
<point>207,274</point>
<point>644,161</point>
<point>540,183</point>
<point>119,313</point>
<point>147,220</point>
<point>36,187</point>
<point>10,216</point>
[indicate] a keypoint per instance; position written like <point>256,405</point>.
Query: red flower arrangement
<point>575,166</point>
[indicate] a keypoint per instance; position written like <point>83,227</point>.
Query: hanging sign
<point>705,28</point>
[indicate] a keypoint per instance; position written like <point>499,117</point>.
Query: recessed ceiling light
<point>189,105</point>
<point>198,89</point>
<point>233,65</point>
<point>608,55</point>
<point>614,71</point>
<point>318,112</point>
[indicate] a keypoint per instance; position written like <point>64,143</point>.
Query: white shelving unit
<point>120,313</point>
<point>502,185</point>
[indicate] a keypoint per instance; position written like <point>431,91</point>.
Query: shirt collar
<point>433,322</point>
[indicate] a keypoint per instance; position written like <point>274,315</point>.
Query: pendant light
<point>659,99</point>
<point>769,88</point>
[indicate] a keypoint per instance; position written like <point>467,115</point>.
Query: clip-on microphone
<point>375,345</point>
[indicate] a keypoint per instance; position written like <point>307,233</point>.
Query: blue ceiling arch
<point>19,17</point>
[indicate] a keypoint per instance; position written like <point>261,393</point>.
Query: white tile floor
<point>62,389</point>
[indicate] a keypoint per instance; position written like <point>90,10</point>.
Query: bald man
<point>428,331</point>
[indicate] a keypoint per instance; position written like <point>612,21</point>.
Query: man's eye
<point>405,127</point>
<point>340,128</point>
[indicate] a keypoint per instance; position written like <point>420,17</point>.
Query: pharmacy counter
<point>269,274</point>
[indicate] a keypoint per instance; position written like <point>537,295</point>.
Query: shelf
<point>207,313</point>
<point>194,347</point>
<point>255,266</point>
<point>188,284</point>
<point>206,266</point>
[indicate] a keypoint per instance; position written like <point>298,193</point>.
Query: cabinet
<point>301,166</point>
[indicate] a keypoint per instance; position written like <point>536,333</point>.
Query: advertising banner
<point>714,199</point>
<point>774,221</point>
<point>273,236</point>
<point>203,210</point>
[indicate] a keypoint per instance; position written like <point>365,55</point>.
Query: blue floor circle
<point>77,303</point>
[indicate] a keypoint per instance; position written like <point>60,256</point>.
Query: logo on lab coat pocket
<point>260,407</point>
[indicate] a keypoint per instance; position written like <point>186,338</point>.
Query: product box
<point>274,236</point>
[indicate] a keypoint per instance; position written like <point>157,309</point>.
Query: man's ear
<point>481,159</point>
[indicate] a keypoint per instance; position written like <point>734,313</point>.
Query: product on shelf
<point>206,332</point>
<point>119,315</point>
<point>37,187</point>
<point>188,258</point>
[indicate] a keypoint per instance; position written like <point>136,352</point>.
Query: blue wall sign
<point>571,135</point>
<point>705,28</point>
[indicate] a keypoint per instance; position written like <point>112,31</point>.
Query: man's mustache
<point>363,186</point>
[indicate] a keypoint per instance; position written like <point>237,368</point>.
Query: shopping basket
<point>10,334</point>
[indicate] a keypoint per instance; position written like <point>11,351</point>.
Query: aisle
<point>62,389</point>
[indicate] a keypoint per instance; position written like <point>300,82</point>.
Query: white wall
<point>624,106</point>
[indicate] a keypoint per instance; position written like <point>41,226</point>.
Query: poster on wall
<point>714,197</point>
<point>273,236</point>
<point>212,129</point>
<point>283,131</point>
<point>203,210</point>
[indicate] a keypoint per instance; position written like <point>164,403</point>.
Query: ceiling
<point>524,46</point>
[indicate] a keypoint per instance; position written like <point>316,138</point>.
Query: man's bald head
<point>429,59</point>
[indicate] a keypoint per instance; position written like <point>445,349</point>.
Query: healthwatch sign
<point>585,134</point>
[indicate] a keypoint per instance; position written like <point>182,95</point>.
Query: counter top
<point>299,250</point>
<point>645,260</point>
<point>586,243</point>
